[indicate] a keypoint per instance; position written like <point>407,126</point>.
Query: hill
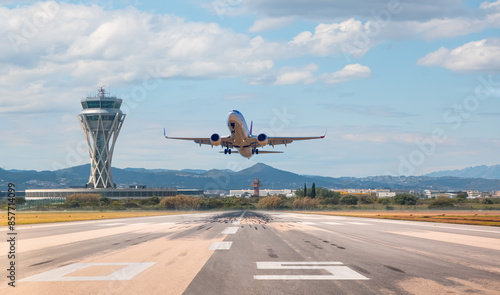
<point>483,171</point>
<point>228,179</point>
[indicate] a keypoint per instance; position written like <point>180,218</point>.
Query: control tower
<point>101,120</point>
<point>256,184</point>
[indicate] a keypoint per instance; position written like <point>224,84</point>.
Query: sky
<point>400,87</point>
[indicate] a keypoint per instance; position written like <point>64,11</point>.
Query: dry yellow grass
<point>491,218</point>
<point>47,217</point>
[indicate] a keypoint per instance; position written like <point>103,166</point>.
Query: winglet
<point>164,133</point>
<point>325,133</point>
<point>251,127</point>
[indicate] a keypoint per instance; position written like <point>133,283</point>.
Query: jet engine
<point>215,139</point>
<point>262,139</point>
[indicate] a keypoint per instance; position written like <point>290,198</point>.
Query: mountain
<point>483,171</point>
<point>215,179</point>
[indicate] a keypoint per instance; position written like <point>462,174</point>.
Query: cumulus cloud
<point>349,72</point>
<point>266,24</point>
<point>336,38</point>
<point>479,55</point>
<point>290,75</point>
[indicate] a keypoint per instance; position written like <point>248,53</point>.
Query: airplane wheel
<point>253,151</point>
<point>225,151</point>
<point>229,151</point>
<point>256,151</point>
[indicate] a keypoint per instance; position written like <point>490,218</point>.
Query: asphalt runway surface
<point>252,252</point>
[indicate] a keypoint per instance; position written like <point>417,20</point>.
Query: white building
<point>247,193</point>
<point>385,194</point>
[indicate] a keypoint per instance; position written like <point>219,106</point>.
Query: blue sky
<point>403,87</point>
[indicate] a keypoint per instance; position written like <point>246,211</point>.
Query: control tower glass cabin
<point>101,120</point>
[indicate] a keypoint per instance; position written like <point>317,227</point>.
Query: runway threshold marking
<point>337,269</point>
<point>230,230</point>
<point>220,246</point>
<point>127,272</point>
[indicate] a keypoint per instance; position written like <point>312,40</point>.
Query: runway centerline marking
<point>111,224</point>
<point>333,223</point>
<point>60,274</point>
<point>357,223</point>
<point>220,246</point>
<point>230,230</point>
<point>337,269</point>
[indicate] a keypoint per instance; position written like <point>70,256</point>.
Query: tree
<point>349,200</point>
<point>461,197</point>
<point>305,190</point>
<point>487,201</point>
<point>404,199</point>
<point>313,191</point>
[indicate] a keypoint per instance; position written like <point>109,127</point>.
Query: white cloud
<point>266,24</point>
<point>479,55</point>
<point>349,72</point>
<point>335,38</point>
<point>489,5</point>
<point>296,76</point>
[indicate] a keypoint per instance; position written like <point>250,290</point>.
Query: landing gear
<point>255,151</point>
<point>227,151</point>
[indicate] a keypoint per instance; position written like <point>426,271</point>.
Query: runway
<point>253,252</point>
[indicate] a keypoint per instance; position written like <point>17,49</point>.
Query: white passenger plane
<point>242,139</point>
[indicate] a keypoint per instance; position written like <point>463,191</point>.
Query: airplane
<point>242,139</point>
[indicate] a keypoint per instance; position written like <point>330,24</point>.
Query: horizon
<point>259,163</point>
<point>403,88</point>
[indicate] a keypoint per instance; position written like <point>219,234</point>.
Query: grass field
<point>490,218</point>
<point>46,217</point>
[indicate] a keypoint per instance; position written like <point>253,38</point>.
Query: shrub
<point>180,202</point>
<point>305,203</point>
<point>271,202</point>
<point>84,199</point>
<point>349,200</point>
<point>441,202</point>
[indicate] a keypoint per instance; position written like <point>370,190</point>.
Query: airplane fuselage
<point>239,133</point>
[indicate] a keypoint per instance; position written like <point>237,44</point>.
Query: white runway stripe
<point>359,223</point>
<point>220,246</point>
<point>333,223</point>
<point>230,230</point>
<point>111,224</point>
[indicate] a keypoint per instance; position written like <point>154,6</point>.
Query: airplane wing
<point>225,141</point>
<point>272,141</point>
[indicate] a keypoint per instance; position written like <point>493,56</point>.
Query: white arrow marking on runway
<point>130,270</point>
<point>337,269</point>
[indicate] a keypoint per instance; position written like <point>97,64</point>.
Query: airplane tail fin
<point>251,127</point>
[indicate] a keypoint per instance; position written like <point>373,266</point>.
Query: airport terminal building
<point>119,193</point>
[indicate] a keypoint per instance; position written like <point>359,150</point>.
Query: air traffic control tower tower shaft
<point>101,120</point>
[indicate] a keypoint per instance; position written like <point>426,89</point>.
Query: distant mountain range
<point>270,177</point>
<point>483,171</point>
